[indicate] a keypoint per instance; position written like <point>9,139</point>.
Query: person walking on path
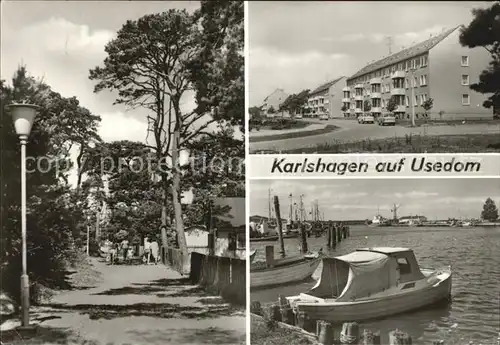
<point>124,248</point>
<point>112,254</point>
<point>147,251</point>
<point>155,251</point>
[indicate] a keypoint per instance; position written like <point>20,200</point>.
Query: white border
<point>247,179</point>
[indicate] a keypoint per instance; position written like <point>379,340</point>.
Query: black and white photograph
<point>122,173</point>
<point>374,261</point>
<point>373,77</point>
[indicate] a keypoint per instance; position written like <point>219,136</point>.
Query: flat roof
<point>385,250</point>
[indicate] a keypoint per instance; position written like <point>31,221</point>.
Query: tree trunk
<point>176,191</point>
<point>164,202</point>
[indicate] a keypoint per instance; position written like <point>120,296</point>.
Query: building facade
<point>273,101</point>
<point>326,99</point>
<point>439,68</point>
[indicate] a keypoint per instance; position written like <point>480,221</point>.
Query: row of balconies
<point>401,91</point>
<point>378,80</point>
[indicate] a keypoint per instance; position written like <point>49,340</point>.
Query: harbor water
<point>474,254</point>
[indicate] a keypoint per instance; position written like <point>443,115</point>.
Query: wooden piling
<point>334,236</point>
<point>256,308</point>
<point>344,231</point>
<point>303,320</point>
<point>274,313</point>
<point>325,333</point>
<point>349,333</point>
<point>303,238</point>
<point>370,338</point>
<point>398,337</point>
<point>286,311</point>
<point>338,231</point>
<point>280,228</point>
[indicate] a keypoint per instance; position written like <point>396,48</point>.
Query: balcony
<point>358,110</point>
<point>376,110</point>
<point>326,101</point>
<point>346,100</point>
<point>358,86</point>
<point>358,98</point>
<point>375,81</point>
<point>376,95</point>
<point>398,74</point>
<point>400,109</point>
<point>346,89</point>
<point>398,91</point>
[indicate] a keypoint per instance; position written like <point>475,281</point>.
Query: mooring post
<point>370,338</point>
<point>325,333</point>
<point>256,308</point>
<point>398,337</point>
<point>334,235</point>
<point>302,320</point>
<point>303,238</point>
<point>286,310</point>
<point>274,313</point>
<point>339,235</point>
<point>349,333</point>
<point>344,231</point>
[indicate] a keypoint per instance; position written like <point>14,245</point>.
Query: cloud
<point>411,195</point>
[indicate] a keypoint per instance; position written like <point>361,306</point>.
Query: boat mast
<point>280,229</point>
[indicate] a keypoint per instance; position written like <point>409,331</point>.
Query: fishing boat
<point>275,272</point>
<point>372,283</point>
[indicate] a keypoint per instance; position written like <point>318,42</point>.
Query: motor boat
<point>372,283</point>
<point>275,272</point>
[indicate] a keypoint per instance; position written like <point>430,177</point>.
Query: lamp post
<point>88,235</point>
<point>23,116</point>
<point>412,97</point>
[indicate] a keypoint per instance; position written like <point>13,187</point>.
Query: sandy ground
<point>137,305</point>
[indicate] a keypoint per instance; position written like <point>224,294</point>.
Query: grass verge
<point>293,135</point>
<point>469,143</point>
<point>262,334</point>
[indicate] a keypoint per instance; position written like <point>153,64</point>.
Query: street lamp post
<point>23,116</point>
<point>412,97</point>
<point>88,235</point>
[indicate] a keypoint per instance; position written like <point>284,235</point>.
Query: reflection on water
<point>474,253</point>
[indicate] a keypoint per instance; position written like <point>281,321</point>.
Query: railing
<point>174,258</point>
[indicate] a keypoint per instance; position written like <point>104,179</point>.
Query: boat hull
<point>338,312</point>
<point>284,274</point>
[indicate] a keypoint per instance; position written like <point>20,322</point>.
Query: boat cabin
<point>367,271</point>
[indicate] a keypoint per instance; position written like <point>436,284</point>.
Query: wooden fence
<point>220,275</point>
<point>174,258</point>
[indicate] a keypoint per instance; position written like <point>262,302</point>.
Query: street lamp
<point>412,70</point>
<point>23,116</point>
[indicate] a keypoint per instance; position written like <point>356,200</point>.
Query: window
<point>400,67</point>
<point>383,103</point>
<point>408,286</point>
<point>406,83</point>
<point>416,99</point>
<point>422,99</point>
<point>465,79</point>
<point>407,101</point>
<point>424,61</point>
<point>403,266</point>
<point>423,80</point>
<point>465,61</point>
<point>465,99</point>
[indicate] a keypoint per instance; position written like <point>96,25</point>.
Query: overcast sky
<point>299,45</point>
<point>347,199</point>
<point>62,40</point>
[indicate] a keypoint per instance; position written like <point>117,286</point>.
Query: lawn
<point>293,135</point>
<point>470,143</point>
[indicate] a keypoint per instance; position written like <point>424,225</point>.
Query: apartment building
<point>274,100</point>
<point>326,99</point>
<point>438,68</point>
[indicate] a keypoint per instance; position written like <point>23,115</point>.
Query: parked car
<point>366,118</point>
<point>298,116</point>
<point>387,120</point>
<point>323,117</point>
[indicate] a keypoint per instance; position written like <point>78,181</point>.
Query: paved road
<point>352,131</point>
<point>141,305</point>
